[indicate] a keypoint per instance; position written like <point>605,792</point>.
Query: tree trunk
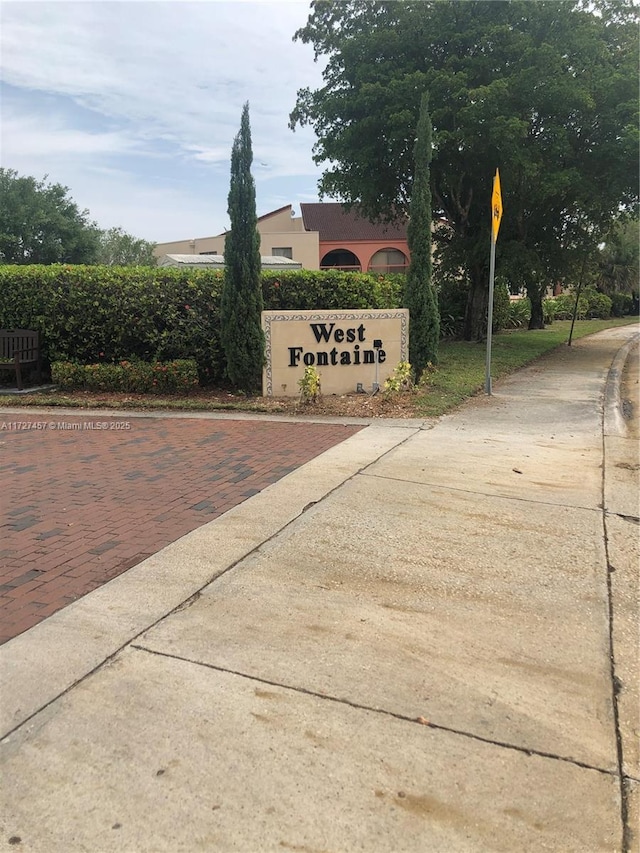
<point>419,294</point>
<point>475,317</point>
<point>537,315</point>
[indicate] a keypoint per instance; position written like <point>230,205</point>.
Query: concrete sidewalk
<point>425,639</point>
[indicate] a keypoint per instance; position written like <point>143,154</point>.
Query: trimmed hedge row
<point>136,377</point>
<point>99,314</point>
<point>105,315</point>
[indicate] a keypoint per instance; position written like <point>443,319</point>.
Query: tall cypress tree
<point>241,300</point>
<point>419,294</point>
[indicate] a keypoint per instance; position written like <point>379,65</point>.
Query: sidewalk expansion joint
<point>420,721</point>
<point>597,509</point>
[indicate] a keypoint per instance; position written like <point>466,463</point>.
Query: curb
<point>614,423</point>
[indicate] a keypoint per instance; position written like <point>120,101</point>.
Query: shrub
<point>519,313</point>
<point>133,376</point>
<point>621,304</point>
<point>548,311</point>
<point>309,384</point>
<point>401,379</point>
<point>305,290</point>
<point>591,305</point>
<point>501,304</point>
<point>598,304</point>
<point>92,314</point>
<point>562,306</point>
<point>452,298</point>
<point>426,378</point>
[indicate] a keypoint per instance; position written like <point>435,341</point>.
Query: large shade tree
<point>546,91</point>
<point>241,300</point>
<point>41,224</point>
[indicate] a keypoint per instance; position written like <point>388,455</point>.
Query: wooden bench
<point>20,348</point>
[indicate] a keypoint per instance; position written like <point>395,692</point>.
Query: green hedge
<point>104,315</point>
<point>136,377</point>
<point>91,314</point>
<point>98,314</point>
<point>306,290</point>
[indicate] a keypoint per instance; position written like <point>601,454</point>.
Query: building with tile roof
<point>349,241</point>
<point>324,236</point>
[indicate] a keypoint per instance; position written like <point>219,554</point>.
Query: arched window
<point>341,259</point>
<point>388,260</point>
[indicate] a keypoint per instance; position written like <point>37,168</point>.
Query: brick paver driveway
<point>85,498</point>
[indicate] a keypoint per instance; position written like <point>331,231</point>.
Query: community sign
<point>351,350</point>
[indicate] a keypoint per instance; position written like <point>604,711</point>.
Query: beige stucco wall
<point>282,229</point>
<point>304,246</point>
<point>280,221</point>
<point>196,246</point>
<point>275,231</point>
<point>319,338</point>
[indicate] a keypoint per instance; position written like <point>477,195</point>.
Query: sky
<point>134,106</point>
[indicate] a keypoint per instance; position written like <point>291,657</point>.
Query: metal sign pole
<point>496,216</point>
<point>492,268</point>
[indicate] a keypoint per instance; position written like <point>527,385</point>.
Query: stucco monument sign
<point>351,350</point>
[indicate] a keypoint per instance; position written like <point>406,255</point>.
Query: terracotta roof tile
<point>333,222</point>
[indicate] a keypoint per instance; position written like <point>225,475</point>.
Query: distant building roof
<point>334,222</point>
<point>272,262</point>
<point>262,218</point>
<point>274,212</point>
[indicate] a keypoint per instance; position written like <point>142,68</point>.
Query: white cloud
<point>30,136</point>
<point>126,85</point>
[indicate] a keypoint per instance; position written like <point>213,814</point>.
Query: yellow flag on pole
<point>496,206</point>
